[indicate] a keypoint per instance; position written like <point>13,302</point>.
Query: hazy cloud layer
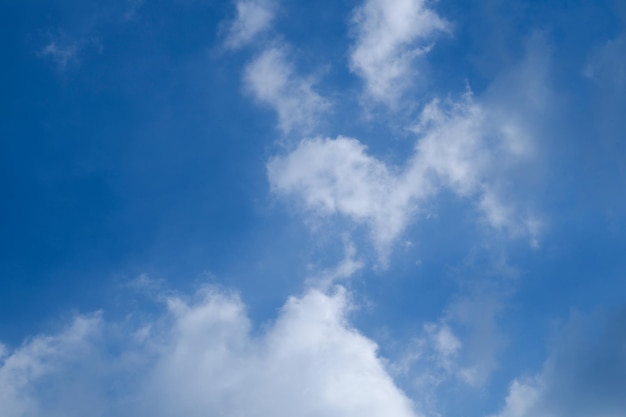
<point>584,376</point>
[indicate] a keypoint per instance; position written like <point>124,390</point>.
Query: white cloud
<point>337,176</point>
<point>584,376</point>
<point>461,146</point>
<point>445,344</point>
<point>202,359</point>
<point>389,35</point>
<point>27,385</point>
<point>272,80</point>
<point>522,398</point>
<point>253,18</point>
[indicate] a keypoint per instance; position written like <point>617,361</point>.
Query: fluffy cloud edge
<point>201,358</point>
<point>272,80</point>
<point>388,36</point>
<point>460,146</point>
<point>254,17</point>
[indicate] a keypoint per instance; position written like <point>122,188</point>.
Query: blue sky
<point>271,207</point>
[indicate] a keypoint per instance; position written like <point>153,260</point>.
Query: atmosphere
<point>280,208</point>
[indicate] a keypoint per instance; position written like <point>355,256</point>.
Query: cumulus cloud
<point>201,358</point>
<point>338,176</point>
<point>460,146</point>
<point>272,80</point>
<point>584,376</point>
<point>253,18</point>
<point>389,35</point>
<point>46,375</point>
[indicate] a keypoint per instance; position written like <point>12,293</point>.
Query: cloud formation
<point>272,80</point>
<point>331,176</point>
<point>65,359</point>
<point>460,146</point>
<point>388,36</point>
<point>253,18</point>
<point>202,359</point>
<point>461,346</point>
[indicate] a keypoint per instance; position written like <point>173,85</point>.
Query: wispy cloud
<point>606,66</point>
<point>462,349</point>
<point>346,268</point>
<point>253,18</point>
<point>272,80</point>
<point>584,375</point>
<point>66,51</point>
<point>389,35</point>
<point>62,53</point>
